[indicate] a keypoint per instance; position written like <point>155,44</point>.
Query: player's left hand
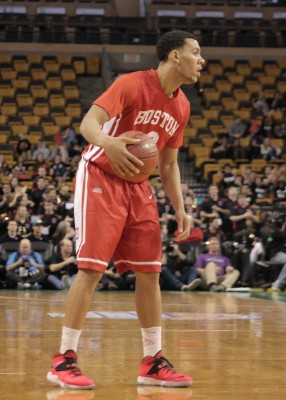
<point>185,222</point>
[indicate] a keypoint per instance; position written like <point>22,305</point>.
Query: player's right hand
<point>121,160</point>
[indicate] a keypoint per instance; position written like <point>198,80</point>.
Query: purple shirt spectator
<point>221,261</point>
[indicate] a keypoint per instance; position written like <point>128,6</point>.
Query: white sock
<point>152,342</point>
<point>70,338</point>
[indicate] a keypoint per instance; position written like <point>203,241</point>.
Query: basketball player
<point>118,219</point>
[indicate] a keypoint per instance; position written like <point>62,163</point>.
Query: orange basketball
<point>146,150</point>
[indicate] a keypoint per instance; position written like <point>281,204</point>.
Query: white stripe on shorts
<point>138,262</point>
<point>80,204</point>
<point>92,261</point>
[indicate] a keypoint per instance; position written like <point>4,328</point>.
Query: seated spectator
<point>187,190</point>
<point>59,140</point>
<point>210,207</point>
<point>22,217</point>
<point>5,198</point>
<point>267,125</point>
<point>277,173</point>
<point>75,150</point>
<point>259,188</point>
<point>266,173</point>
<point>268,151</point>
<point>238,181</point>
<point>215,270</point>
<point>58,170</point>
<point>178,272</point>
<point>66,201</point>
<point>69,137</point>
<point>220,148</point>
<point>191,207</point>
<point>17,197</point>
<point>37,235</point>
<point>63,267</point>
<point>248,194</point>
<point>41,163</point>
<point>244,219</point>
<point>71,168</point>
<point>14,183</point>
<point>250,180</point>
<point>41,148</point>
<point>4,167</point>
<point>164,233</point>
<point>12,233</point>
<point>162,204</point>
<point>254,147</point>
<point>20,170</point>
<point>111,279</point>
<point>37,193</point>
<point>25,267</point>
<point>253,127</point>
<point>23,149</point>
<point>227,208</point>
<point>251,252</point>
<point>227,178</point>
<point>274,241</point>
<point>245,170</point>
<point>64,193</point>
<point>237,150</point>
<point>277,102</point>
<point>50,218</point>
<point>213,230</point>
<point>259,104</point>
<point>280,130</point>
<point>236,129</point>
<point>64,230</point>
<point>41,173</point>
<point>26,202</point>
<point>280,191</point>
<point>50,195</point>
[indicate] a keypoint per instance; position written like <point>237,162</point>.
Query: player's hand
<point>121,160</point>
<point>185,222</point>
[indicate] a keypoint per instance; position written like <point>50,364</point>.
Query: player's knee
<point>147,277</point>
<point>90,276</point>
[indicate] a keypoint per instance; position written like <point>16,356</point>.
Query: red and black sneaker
<point>65,372</point>
<point>158,371</point>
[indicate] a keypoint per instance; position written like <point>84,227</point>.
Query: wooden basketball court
<point>233,345</point>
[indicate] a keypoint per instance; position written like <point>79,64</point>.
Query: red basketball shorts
<point>115,219</point>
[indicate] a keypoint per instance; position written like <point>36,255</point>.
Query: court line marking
<point>96,302</point>
<point>127,303</point>
<point>13,373</point>
<point>166,330</point>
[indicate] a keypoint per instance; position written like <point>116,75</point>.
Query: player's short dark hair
<point>170,41</point>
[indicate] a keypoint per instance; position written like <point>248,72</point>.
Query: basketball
<point>146,150</point>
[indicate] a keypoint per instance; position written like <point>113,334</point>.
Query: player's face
<point>190,62</point>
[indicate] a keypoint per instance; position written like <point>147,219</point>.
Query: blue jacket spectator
<point>25,267</point>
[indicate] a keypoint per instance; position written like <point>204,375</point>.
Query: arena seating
<point>39,96</point>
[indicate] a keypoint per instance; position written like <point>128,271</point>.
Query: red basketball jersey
<point>137,101</point>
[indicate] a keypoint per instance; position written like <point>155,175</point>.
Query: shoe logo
<point>97,190</point>
<point>150,197</point>
<point>159,364</point>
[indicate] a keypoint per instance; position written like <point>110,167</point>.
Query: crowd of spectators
<point>36,206</point>
<point>259,131</point>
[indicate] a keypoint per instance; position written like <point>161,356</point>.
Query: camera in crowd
<point>26,262</point>
<point>278,218</point>
<point>168,246</point>
<point>229,248</point>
